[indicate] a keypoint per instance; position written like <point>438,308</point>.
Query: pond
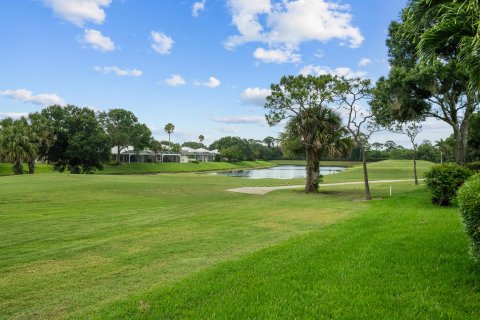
<point>280,172</point>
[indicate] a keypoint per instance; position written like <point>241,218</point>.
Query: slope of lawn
<point>135,168</point>
<point>401,259</point>
<point>382,170</point>
<point>116,246</point>
<point>323,163</point>
<point>70,244</point>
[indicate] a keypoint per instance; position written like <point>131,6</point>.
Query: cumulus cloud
<point>255,96</point>
<point>364,61</point>
<point>175,80</point>
<point>119,72</point>
<point>43,99</point>
<point>80,11</point>
<point>286,24</point>
<point>276,55</point>
<point>98,41</point>
<point>197,7</point>
<point>340,72</point>
<point>161,43</point>
<point>245,119</point>
<point>211,83</point>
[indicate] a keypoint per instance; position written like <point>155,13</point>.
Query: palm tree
<point>169,127</point>
<point>269,141</point>
<point>441,23</point>
<point>41,133</point>
<point>201,138</point>
<point>326,137</point>
<point>156,147</point>
<point>16,144</point>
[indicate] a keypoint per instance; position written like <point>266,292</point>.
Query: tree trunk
<point>368,196</point>
<point>154,157</point>
<point>17,167</point>
<point>31,166</point>
<point>460,132</point>
<point>415,165</point>
<point>310,169</point>
<point>118,154</point>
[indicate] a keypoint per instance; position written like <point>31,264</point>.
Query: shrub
<point>444,180</point>
<point>469,203</point>
<point>195,161</point>
<point>475,166</point>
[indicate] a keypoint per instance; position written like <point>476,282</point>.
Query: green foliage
<point>238,149</point>
<point>81,144</point>
<point>469,203</point>
<point>17,143</point>
<point>474,138</point>
<point>475,166</point>
<point>124,130</point>
<point>193,145</point>
<point>444,180</point>
<point>447,26</point>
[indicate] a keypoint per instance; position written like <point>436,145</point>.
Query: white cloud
<point>211,83</point>
<point>276,55</point>
<point>13,115</point>
<point>175,80</point>
<point>364,61</point>
<point>255,96</point>
<point>98,41</point>
<point>43,99</point>
<point>341,72</point>
<point>162,43</point>
<point>228,129</point>
<point>246,119</point>
<point>286,24</point>
<point>197,7</point>
<point>119,72</point>
<point>79,11</point>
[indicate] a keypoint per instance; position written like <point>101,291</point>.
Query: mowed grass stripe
<point>402,259</point>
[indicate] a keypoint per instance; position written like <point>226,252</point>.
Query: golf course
<point>178,245</point>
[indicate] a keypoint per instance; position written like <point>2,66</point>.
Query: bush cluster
<point>469,203</point>
<point>475,166</point>
<point>444,180</point>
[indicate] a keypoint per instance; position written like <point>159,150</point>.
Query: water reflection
<point>280,172</point>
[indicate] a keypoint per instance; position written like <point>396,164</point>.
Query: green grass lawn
<point>179,245</point>
<point>166,167</point>
<point>146,168</point>
<point>6,168</point>
<point>382,170</point>
<point>323,163</point>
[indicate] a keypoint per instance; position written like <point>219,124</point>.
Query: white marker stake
<point>390,191</point>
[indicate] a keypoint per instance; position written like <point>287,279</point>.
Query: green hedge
<point>444,180</point>
<point>469,203</point>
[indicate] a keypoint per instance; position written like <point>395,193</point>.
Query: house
<point>129,154</point>
<point>201,154</point>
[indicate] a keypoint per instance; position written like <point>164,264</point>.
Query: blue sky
<point>205,66</point>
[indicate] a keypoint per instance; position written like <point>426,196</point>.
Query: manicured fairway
<point>399,260</point>
<point>179,245</point>
<point>71,244</point>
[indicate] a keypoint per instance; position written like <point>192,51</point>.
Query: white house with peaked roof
<point>201,154</point>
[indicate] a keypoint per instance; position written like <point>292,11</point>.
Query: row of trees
<point>72,138</point>
<point>238,149</point>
